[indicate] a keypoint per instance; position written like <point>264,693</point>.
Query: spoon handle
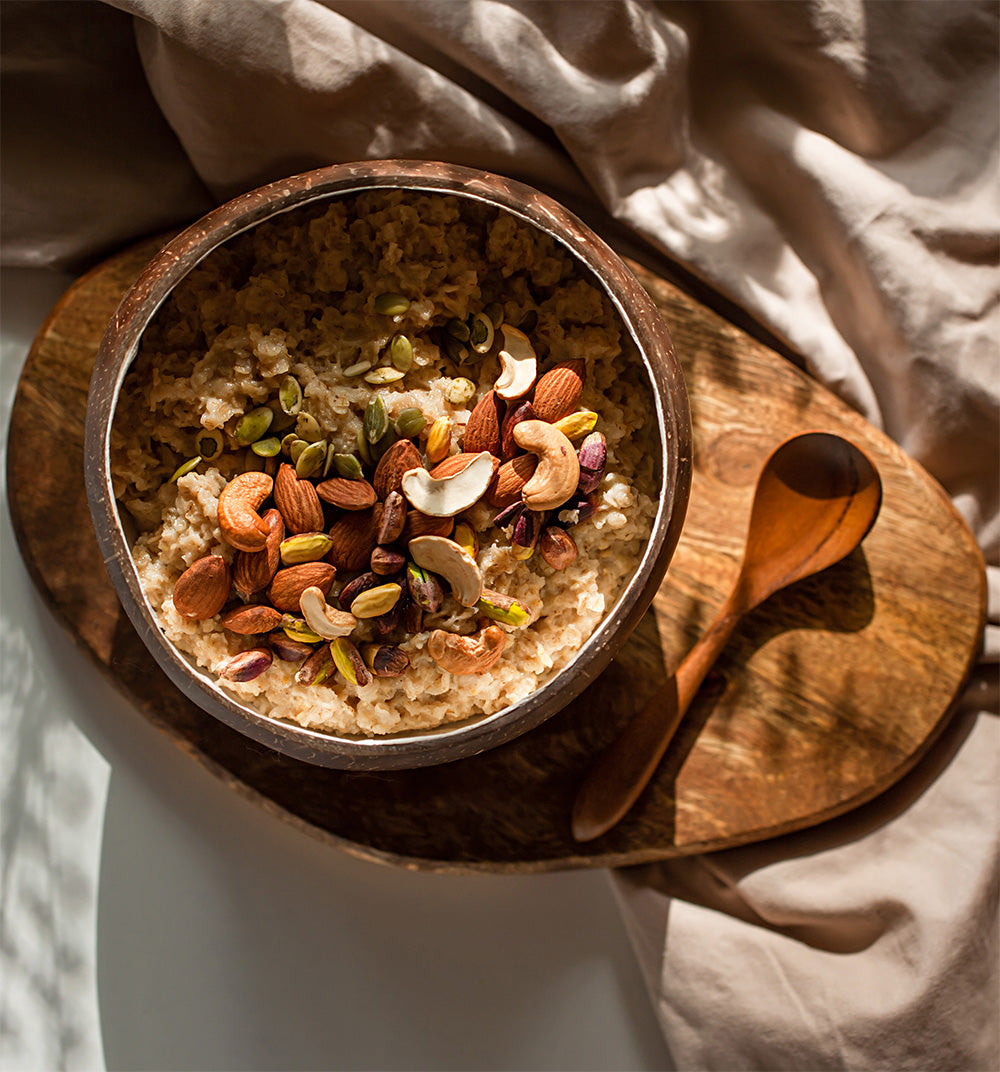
<point>621,773</point>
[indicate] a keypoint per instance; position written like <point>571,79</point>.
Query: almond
<point>418,524</point>
<point>456,463</point>
<point>558,391</point>
<point>289,584</point>
<point>510,480</point>
<point>253,570</point>
<point>483,430</point>
<point>523,411</point>
<point>400,458</point>
<point>202,589</point>
<point>254,618</point>
<point>346,494</point>
<point>355,536</point>
<point>297,500</point>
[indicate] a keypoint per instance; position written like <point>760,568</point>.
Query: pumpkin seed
<point>266,448</point>
<point>457,330</point>
<point>296,449</point>
<point>391,304</point>
<point>376,419</point>
<point>310,461</point>
<point>286,443</point>
<point>410,422</point>
<point>495,312</point>
<point>252,426</point>
<point>455,350</point>
<point>308,428</point>
<point>184,467</point>
<point>208,444</point>
<point>401,352</point>
<point>363,449</point>
<point>384,375</point>
<point>357,368</point>
<point>480,333</point>
<point>331,452</point>
<point>282,421</point>
<point>290,395</point>
<point>529,322</point>
<point>348,466</point>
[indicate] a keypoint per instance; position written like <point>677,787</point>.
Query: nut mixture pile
<point>402,503</point>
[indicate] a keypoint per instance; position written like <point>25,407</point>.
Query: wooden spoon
<point>816,498</point>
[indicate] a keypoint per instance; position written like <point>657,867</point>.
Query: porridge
<point>387,461</point>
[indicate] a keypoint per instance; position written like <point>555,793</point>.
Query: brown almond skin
<point>346,494</point>
<point>522,411</point>
<point>387,562</point>
<point>400,458</point>
<point>557,547</point>
<point>289,584</point>
<point>354,537</point>
<point>298,502</point>
<point>483,430</point>
<point>255,618</point>
<point>419,524</point>
<point>510,480</point>
<point>394,511</point>
<point>558,390</point>
<point>253,571</point>
<point>202,589</point>
<point>456,463</point>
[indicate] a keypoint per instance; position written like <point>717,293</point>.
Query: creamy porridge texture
<point>388,462</point>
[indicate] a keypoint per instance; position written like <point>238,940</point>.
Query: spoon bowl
<point>816,499</point>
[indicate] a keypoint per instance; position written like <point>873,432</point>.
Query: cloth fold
<point>831,168</point>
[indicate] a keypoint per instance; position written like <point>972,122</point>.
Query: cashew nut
<point>322,619</point>
<point>446,558</point>
<point>519,364</point>
<point>242,527</point>
<point>449,495</point>
<point>558,471</point>
<point>473,654</point>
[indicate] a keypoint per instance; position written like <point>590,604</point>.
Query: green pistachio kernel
<point>410,422</point>
<point>401,352</point>
<point>290,395</point>
<point>253,425</point>
<point>185,467</point>
<point>208,444</point>
<point>376,419</point>
<point>304,547</point>
<point>267,448</point>
<point>310,461</point>
<point>308,428</point>
<point>348,466</point>
<point>501,608</point>
<point>391,304</point>
<point>349,662</point>
<point>296,629</point>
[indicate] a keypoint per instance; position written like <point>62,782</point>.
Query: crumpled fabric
<point>830,168</point>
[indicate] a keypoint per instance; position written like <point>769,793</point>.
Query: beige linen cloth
<point>829,167</point>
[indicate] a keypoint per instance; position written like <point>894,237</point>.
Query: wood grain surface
<point>824,698</point>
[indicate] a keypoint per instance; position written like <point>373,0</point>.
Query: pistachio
<point>401,352</point>
<point>267,448</point>
<point>527,529</point>
<point>557,547</point>
<point>504,609</point>
<point>376,419</point>
<point>384,375</point>
<point>465,536</point>
<point>386,562</point>
<point>577,425</point>
<point>308,428</point>
<point>579,508</point>
<point>349,662</point>
<point>410,422</point>
<point>348,466</point>
<point>310,461</point>
<point>393,518</point>
<point>376,601</point>
<point>495,313</point>
<point>508,515</point>
<point>460,391</point>
<point>322,618</point>
<point>438,440</point>
<point>290,395</point>
<point>245,665</point>
<point>317,668</point>
<point>354,588</point>
<point>305,547</point>
<point>208,444</point>
<point>425,589</point>
<point>593,456</point>
<point>481,332</point>
<point>384,660</point>
<point>286,649</point>
<point>252,426</point>
<point>184,468</point>
<point>356,369</point>
<point>297,629</point>
<point>390,304</point>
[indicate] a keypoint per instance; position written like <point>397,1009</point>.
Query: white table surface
<point>152,919</point>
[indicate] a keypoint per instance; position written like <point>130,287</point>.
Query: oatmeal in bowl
<point>392,467</point>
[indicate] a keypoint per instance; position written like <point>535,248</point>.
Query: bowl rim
<point>642,320</point>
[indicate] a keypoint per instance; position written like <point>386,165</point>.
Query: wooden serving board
<point>828,694</point>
